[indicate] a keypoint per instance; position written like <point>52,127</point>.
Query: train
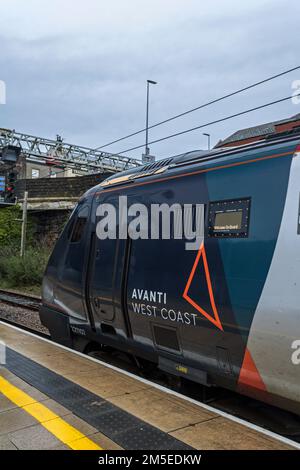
<point>222,310</point>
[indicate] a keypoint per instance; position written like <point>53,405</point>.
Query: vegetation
<point>15,272</point>
<point>10,227</point>
<point>27,271</point>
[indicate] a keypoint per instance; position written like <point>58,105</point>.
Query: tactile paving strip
<point>123,428</point>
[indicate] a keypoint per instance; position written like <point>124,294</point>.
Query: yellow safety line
<point>49,420</point>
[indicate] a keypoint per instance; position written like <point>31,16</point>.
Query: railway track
<point>281,422</point>
<point>22,310</point>
<point>17,299</point>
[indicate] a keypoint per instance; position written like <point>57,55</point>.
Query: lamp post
<point>147,150</point>
<point>208,139</point>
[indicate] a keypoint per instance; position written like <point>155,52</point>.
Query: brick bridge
<point>56,193</point>
<point>51,200</point>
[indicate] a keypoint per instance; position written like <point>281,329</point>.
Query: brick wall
<point>49,225</point>
<point>58,187</point>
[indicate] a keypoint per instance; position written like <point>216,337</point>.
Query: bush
<point>27,271</point>
<point>14,270</point>
<point>10,227</point>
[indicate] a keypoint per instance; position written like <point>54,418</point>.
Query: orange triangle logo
<point>201,255</point>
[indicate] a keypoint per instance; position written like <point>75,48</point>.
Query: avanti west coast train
<point>225,315</point>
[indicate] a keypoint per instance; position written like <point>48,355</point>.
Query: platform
<point>54,398</point>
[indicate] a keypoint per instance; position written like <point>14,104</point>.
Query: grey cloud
<point>90,86</point>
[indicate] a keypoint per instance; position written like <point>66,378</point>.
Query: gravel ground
<point>28,318</point>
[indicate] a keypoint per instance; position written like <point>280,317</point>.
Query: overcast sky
<point>79,68</point>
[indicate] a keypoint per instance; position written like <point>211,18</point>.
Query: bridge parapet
<point>56,193</point>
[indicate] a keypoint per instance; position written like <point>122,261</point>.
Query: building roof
<point>256,131</point>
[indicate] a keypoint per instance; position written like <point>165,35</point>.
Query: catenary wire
<point>229,95</point>
<point>191,129</point>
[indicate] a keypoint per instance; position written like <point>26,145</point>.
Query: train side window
<point>229,218</point>
<point>71,227</point>
<point>77,226</point>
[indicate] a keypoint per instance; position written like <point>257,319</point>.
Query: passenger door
<point>107,278</point>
